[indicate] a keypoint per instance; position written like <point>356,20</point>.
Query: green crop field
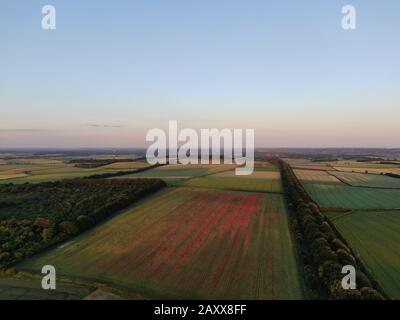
<point>357,164</point>
<point>315,176</point>
<point>367,180</point>
<point>342,196</point>
<point>126,165</point>
<point>177,174</point>
<point>44,171</point>
<point>328,191</point>
<point>182,171</point>
<point>188,243</point>
<point>372,226</point>
<point>259,181</point>
<point>54,174</point>
<point>264,166</point>
<point>382,170</point>
<point>345,166</point>
<point>375,236</point>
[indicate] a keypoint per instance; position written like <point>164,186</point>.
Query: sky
<point>112,70</point>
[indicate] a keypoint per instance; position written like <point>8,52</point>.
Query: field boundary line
<point>230,189</point>
<point>376,211</point>
<point>340,179</point>
<point>359,186</point>
<point>209,174</point>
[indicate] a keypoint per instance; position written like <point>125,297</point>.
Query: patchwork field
<point>265,178</point>
<point>311,176</point>
<point>368,191</point>
<point>367,180</point>
<point>365,167</point>
<point>189,243</point>
<point>372,224</point>
<point>345,166</point>
<point>357,164</point>
<point>36,171</point>
<point>369,170</point>
<point>375,236</point>
<point>177,174</point>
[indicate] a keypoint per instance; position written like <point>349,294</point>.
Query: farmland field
<point>177,174</point>
<point>342,196</point>
<point>183,171</point>
<point>189,243</point>
<point>264,166</point>
<point>126,165</point>
<point>320,167</point>
<point>345,166</point>
<point>37,172</point>
<point>312,176</point>
<point>357,164</point>
<point>54,174</point>
<point>328,191</point>
<point>10,175</point>
<point>27,289</point>
<point>372,226</point>
<point>363,167</point>
<point>262,175</point>
<point>259,181</point>
<point>375,236</point>
<point>367,180</point>
<point>265,178</point>
<point>237,184</point>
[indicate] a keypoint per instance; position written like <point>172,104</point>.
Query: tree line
<point>95,163</point>
<point>34,217</point>
<point>122,173</point>
<point>322,249</point>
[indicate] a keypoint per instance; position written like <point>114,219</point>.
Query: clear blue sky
<point>114,69</point>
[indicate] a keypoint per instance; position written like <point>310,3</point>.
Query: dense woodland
<point>323,251</point>
<point>34,217</point>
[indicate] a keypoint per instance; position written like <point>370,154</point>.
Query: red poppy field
<point>188,243</point>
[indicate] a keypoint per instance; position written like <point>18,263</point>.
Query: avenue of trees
<point>323,251</point>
